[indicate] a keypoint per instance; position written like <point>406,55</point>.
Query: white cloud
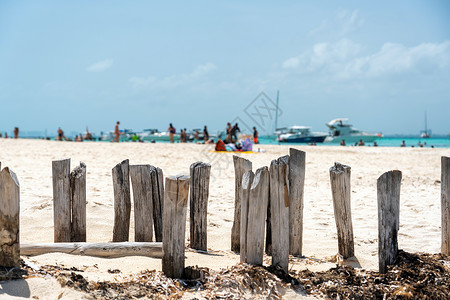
<point>100,66</point>
<point>342,59</point>
<point>174,80</point>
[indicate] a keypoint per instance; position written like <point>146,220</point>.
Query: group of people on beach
<point>15,132</point>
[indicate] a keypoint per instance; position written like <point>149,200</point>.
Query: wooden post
<point>241,165</point>
<point>9,219</point>
<point>340,189</point>
<point>388,190</point>
<point>175,205</point>
<point>296,187</point>
<point>122,202</point>
<point>141,181</point>
<point>247,180</point>
<point>61,200</point>
<point>158,201</point>
<point>445,204</point>
<point>78,201</point>
<point>199,192</point>
<point>257,212</point>
<point>279,207</point>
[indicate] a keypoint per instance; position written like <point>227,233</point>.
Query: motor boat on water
<point>301,134</point>
<point>340,130</point>
<point>149,135</point>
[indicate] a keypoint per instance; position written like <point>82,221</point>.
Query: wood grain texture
<point>257,212</point>
<point>62,212</point>
<point>247,181</point>
<point>158,201</point>
<point>78,203</point>
<point>241,165</point>
<point>279,208</point>
<point>340,189</point>
<point>9,219</point>
<point>141,182</point>
<point>199,193</point>
<point>388,194</point>
<point>297,160</point>
<point>122,201</point>
<point>445,205</point>
<point>176,196</point>
<point>106,250</point>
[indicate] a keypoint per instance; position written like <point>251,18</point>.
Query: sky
<point>72,64</point>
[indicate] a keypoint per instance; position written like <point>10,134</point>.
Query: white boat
<point>425,134</point>
<point>301,134</point>
<point>149,135</point>
<point>340,130</point>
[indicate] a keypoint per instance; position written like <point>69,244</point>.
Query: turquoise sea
<point>438,142</point>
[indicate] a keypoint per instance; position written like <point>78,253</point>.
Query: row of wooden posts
<point>268,212</point>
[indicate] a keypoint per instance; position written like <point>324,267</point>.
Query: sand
<point>31,160</point>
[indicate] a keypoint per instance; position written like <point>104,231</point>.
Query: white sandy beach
<point>31,160</point>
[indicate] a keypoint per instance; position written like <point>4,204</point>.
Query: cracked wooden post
<point>388,192</point>
<point>9,219</point>
<point>176,196</point>
<point>445,205</point>
<point>141,181</point>
<point>62,213</point>
<point>78,203</point>
<point>122,202</point>
<point>279,208</point>
<point>340,189</point>
<point>296,187</point>
<point>158,201</point>
<point>199,193</point>
<point>257,212</point>
<point>247,180</point>
<point>241,165</point>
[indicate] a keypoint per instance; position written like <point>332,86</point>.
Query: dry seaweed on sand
<point>413,276</point>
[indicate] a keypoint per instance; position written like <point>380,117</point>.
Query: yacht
<point>150,135</point>
<point>301,134</point>
<point>341,130</point>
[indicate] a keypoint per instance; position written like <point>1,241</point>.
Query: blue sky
<point>75,63</point>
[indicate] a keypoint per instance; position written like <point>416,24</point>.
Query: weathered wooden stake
<point>141,181</point>
<point>445,204</point>
<point>199,192</point>
<point>279,208</point>
<point>296,187</point>
<point>340,189</point>
<point>78,200</point>
<point>241,165</point>
<point>9,219</point>
<point>247,180</point>
<point>176,196</point>
<point>122,201</point>
<point>61,200</point>
<point>388,191</point>
<point>158,201</point>
<point>257,212</point>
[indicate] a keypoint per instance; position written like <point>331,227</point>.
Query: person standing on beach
<point>255,136</point>
<point>60,134</point>
<point>205,134</point>
<point>117,133</point>
<point>171,131</point>
<point>228,130</point>
<point>16,132</point>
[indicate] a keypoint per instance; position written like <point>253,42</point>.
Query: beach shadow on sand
<point>15,287</point>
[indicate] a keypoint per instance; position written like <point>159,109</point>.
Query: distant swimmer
<point>343,143</point>
<point>403,144</point>
<point>361,143</point>
<point>117,133</point>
